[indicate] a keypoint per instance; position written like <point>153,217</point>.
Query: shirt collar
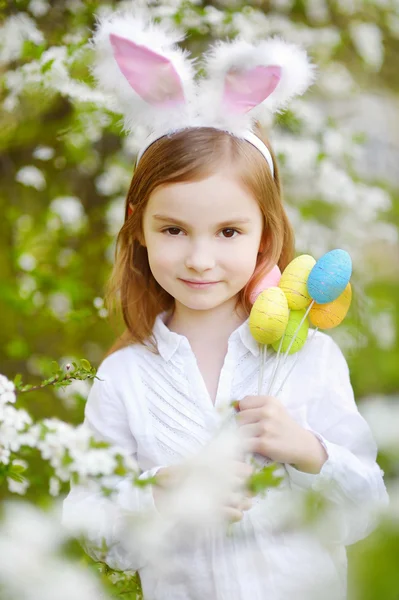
<point>169,341</point>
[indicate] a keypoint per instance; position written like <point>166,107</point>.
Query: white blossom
<point>13,33</point>
<point>32,567</point>
<point>70,210</point>
<point>27,285</point>
<point>382,415</point>
<point>317,10</point>
<point>367,38</point>
<point>43,153</point>
<point>335,79</point>
<point>103,313</point>
<point>98,302</point>
<point>27,261</point>
<point>54,486</point>
<point>31,176</point>
<point>59,304</point>
<point>38,8</point>
<point>4,455</point>
<point>17,487</point>
<point>114,179</point>
<point>7,390</point>
<point>115,214</point>
<point>384,328</point>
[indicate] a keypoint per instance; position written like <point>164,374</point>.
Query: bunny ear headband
<point>151,80</point>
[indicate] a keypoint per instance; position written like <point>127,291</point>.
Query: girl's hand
<point>241,499</point>
<point>272,432</point>
<point>233,507</point>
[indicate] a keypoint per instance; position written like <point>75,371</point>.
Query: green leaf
<point>85,364</point>
<point>47,65</point>
<point>17,379</point>
<point>54,366</point>
<point>263,479</point>
<point>16,476</point>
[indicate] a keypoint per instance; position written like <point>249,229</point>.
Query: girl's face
<point>203,239</point>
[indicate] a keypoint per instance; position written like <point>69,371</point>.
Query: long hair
<point>190,155</point>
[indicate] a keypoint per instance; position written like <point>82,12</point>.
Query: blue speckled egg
<point>330,276</point>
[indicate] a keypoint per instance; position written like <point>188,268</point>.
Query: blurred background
<point>65,168</point>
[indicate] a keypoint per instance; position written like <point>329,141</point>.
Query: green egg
<point>295,317</point>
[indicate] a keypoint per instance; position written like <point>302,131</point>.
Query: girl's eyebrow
<point>166,219</point>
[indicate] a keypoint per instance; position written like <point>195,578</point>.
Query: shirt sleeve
<point>103,519</point>
<point>350,478</point>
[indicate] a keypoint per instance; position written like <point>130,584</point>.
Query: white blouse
<point>159,409</point>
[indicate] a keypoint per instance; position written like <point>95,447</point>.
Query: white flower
<point>38,8</point>
<point>54,486</point>
<point>43,153</point>
<point>383,327</point>
<point>103,313</point>
<point>317,10</point>
<point>16,418</point>
<point>70,210</point>
<point>27,262</point>
<point>334,184</point>
<point>336,79</point>
<point>113,180</point>
<point>4,455</point>
<point>31,176</point>
<point>334,142</point>
<point>382,415</point>
<point>6,385</point>
<point>115,215</point>
<point>98,302</point>
<point>97,461</point>
<point>13,33</point>
<point>60,304</point>
<point>17,487</point>
<point>367,38</point>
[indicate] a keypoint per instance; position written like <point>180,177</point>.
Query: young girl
<point>204,222</point>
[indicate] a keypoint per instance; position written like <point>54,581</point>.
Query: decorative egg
<point>327,316</point>
<point>294,279</point>
<point>301,335</point>
<point>271,279</point>
<point>269,316</point>
<point>330,276</point>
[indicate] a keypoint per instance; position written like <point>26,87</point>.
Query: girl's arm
<point>350,478</point>
<point>103,519</point>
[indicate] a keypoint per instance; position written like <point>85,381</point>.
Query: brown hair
<point>190,155</point>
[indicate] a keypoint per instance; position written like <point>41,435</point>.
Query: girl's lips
<point>199,284</point>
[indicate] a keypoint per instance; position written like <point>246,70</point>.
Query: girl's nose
<point>200,257</point>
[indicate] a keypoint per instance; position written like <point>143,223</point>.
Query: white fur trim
<point>133,25</point>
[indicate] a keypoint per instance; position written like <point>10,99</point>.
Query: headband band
<point>248,136</point>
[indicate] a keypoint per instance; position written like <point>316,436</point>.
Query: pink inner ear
<point>151,75</point>
<point>243,90</point>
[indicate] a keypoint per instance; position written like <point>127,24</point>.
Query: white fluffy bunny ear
<point>138,63</point>
<point>250,78</point>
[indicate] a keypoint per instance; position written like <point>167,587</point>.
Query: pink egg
<point>271,279</point>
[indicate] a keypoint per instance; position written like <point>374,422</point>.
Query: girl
<point>204,222</point>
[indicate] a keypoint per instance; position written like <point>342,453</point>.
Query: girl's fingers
<point>251,430</point>
<point>252,415</point>
<point>233,515</point>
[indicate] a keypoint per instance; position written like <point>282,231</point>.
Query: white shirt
<point>159,409</point>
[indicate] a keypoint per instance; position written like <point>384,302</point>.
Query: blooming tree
<point>65,170</point>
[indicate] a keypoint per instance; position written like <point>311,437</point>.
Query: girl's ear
<point>140,237</point>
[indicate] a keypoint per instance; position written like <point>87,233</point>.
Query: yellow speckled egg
<point>269,316</point>
<point>327,316</point>
<point>294,279</point>
<point>294,319</point>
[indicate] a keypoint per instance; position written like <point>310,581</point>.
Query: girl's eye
<point>229,232</point>
<point>173,231</point>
